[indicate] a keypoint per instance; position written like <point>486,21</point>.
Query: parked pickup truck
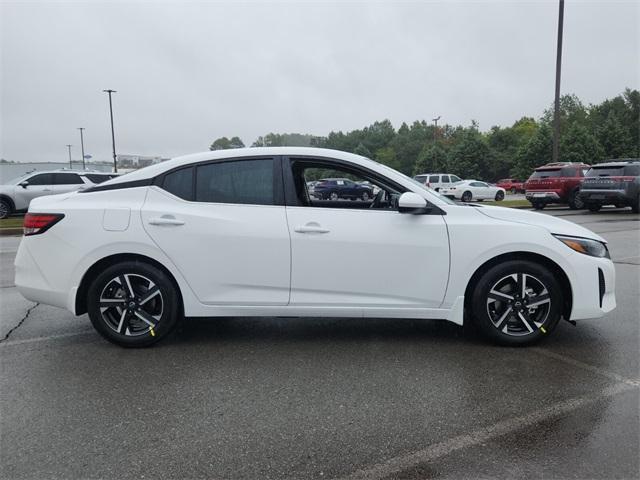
<point>612,183</point>
<point>556,183</point>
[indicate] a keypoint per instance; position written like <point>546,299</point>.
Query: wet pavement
<point>324,398</point>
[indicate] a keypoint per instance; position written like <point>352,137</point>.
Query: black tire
<point>575,201</point>
<point>5,209</point>
<point>635,207</point>
<point>466,196</point>
<point>594,207</point>
<point>493,316</point>
<point>538,205</point>
<point>365,196</point>
<point>499,196</point>
<point>333,196</point>
<point>120,324</point>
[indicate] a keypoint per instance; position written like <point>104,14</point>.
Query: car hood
<point>548,222</point>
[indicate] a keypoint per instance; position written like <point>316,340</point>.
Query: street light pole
<point>556,107</point>
<point>70,164</point>
<point>113,136</point>
<point>435,138</point>
<point>82,146</point>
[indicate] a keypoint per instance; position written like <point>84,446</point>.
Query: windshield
<point>16,180</point>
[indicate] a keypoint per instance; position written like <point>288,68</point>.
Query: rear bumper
<point>605,196</point>
<point>536,196</point>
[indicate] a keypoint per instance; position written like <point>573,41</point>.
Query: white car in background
<point>470,190</point>
<point>235,233</point>
<point>16,194</point>
<point>436,181</point>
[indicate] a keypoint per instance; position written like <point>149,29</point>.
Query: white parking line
<point>398,464</point>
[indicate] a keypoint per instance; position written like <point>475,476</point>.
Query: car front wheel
<point>575,201</point>
<point>5,209</point>
<point>133,304</point>
<point>466,196</point>
<point>499,196</point>
<point>517,302</point>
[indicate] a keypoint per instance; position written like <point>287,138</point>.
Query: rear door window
<point>237,181</point>
<point>67,179</point>
<point>445,178</point>
<point>546,173</point>
<point>179,183</point>
<point>41,179</point>
<point>434,179</point>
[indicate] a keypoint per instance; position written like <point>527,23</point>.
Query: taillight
<point>35,223</point>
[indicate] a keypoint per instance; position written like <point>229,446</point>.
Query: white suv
<point>16,194</point>
<point>436,181</point>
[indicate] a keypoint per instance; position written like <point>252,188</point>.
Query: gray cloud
<point>187,73</point>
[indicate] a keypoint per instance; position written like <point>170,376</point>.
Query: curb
<point>13,231</point>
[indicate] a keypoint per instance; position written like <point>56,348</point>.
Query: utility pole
<point>113,136</point>
<point>70,164</point>
<point>556,107</point>
<point>435,139</point>
<point>82,146</point>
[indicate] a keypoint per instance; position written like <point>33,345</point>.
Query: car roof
<point>617,163</point>
<point>559,165</point>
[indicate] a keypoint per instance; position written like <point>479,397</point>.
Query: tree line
<point>588,134</point>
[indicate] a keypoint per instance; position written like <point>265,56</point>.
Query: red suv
<point>556,183</point>
<point>511,185</point>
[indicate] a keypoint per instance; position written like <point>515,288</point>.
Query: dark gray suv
<point>615,182</point>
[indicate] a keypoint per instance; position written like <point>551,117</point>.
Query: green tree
<point>471,156</point>
<point>537,151</point>
<point>387,156</point>
<point>223,143</point>
<point>432,158</point>
<point>362,150</point>
<point>615,139</point>
<point>580,145</point>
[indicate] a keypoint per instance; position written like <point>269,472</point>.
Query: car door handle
<point>165,220</point>
<point>311,227</point>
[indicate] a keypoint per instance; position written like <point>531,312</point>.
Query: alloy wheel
<point>365,196</point>
<point>131,305</point>
<point>4,210</point>
<point>333,196</point>
<point>519,304</point>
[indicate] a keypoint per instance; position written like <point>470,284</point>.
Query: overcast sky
<point>187,73</point>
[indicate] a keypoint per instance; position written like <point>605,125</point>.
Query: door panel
<point>229,253</point>
<point>39,185</point>
<point>352,257</point>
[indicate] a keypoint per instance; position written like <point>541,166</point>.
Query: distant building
<point>138,161</point>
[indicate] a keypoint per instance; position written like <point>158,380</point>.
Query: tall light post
<point>69,147</point>
<point>556,106</point>
<point>113,135</point>
<point>82,145</point>
<point>435,138</point>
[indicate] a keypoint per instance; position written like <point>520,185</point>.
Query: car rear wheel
<point>133,304</point>
<point>333,196</point>
<point>575,201</point>
<point>538,205</point>
<point>517,302</point>
<point>365,196</point>
<point>514,190</point>
<point>466,196</point>
<point>499,196</point>
<point>635,207</point>
<point>5,209</point>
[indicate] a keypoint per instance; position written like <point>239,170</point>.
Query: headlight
<point>593,248</point>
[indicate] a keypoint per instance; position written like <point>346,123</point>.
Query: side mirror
<point>410,202</point>
<point>24,184</point>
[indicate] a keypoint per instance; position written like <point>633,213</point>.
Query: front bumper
<point>593,287</point>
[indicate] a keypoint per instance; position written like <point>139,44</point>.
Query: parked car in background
<point>337,188</point>
<point>511,185</point>
<point>234,233</point>
<point>16,194</point>
<point>556,183</point>
<point>612,183</point>
<point>436,180</point>
<point>469,190</point>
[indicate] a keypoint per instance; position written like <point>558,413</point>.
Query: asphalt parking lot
<point>324,398</point>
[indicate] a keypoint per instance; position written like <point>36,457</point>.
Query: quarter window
<point>180,183</point>
<point>445,178</point>
<point>238,181</point>
<point>434,179</point>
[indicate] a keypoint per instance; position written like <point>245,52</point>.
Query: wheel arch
<point>94,270</point>
<point>565,284</point>
<point>9,200</point>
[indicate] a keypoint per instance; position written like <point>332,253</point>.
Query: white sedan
<point>470,190</point>
<point>235,233</point>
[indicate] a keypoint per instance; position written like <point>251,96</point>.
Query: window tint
<point>434,179</point>
<point>478,184</point>
<point>569,172</point>
<point>180,183</point>
<point>455,178</point>
<point>240,181</point>
<point>67,179</point>
<point>445,178</point>
<point>622,170</point>
<point>420,178</point>
<point>97,178</point>
<point>545,173</point>
<point>41,179</point>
